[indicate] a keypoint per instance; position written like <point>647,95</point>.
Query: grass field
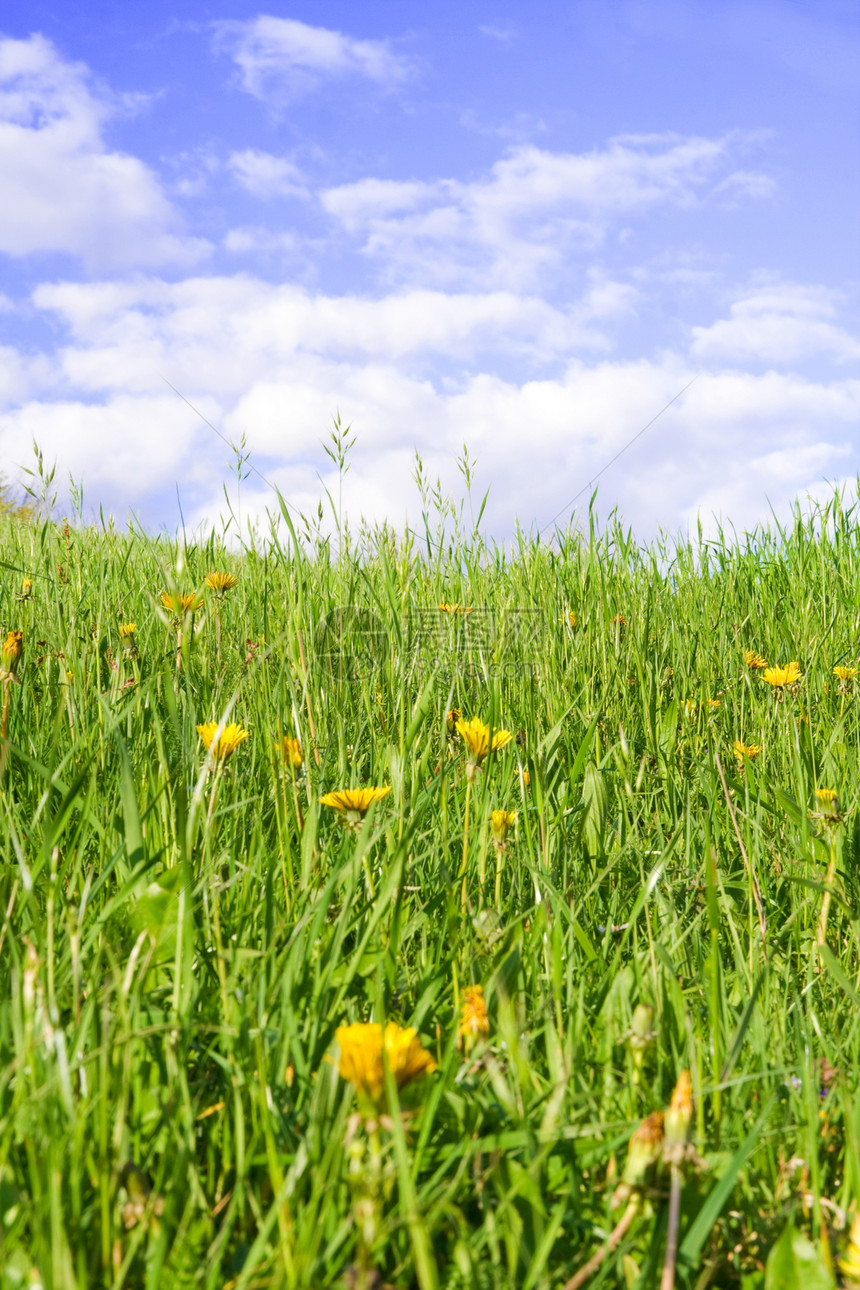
<point>187,939</point>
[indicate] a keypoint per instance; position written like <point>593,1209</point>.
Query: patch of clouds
<point>533,209</point>
<point>781,324</point>
<point>72,194</point>
<point>266,176</point>
<point>275,364</point>
<point>504,35</point>
<point>279,57</point>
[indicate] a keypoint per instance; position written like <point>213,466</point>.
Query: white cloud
<point>502,34</point>
<point>65,191</point>
<point>228,332</point>
<point>281,56</point>
<point>275,363</point>
<point>777,324</point>
<point>265,176</point>
<point>534,207</point>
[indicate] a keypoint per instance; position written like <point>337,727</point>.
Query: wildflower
<point>476,736</point>
<point>26,592</point>
<point>644,1149</point>
<point>13,648</point>
<point>181,605</point>
<point>572,619</point>
<point>361,1062</point>
<point>474,1021</point>
<point>849,1264</point>
<point>679,1115</point>
<point>354,803</point>
<point>220,583</point>
<point>754,661</point>
<point>780,677</point>
<point>745,752</point>
<point>126,635</point>
<point>231,736</point>
<point>501,823</point>
<point>845,677</point>
<point>445,608</point>
<point>828,801</point>
<point>291,750</point>
<point>525,779</point>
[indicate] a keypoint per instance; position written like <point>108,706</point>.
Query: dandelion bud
<point>644,1149</point>
<point>680,1113</point>
<point>474,1021</point>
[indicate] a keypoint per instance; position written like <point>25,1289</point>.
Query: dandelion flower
<point>525,779</point>
<point>501,823</point>
<point>445,608</point>
<point>231,736</point>
<point>845,677</point>
<point>179,605</point>
<point>745,752</point>
<point>291,751</point>
<point>754,661</point>
<point>474,1021</point>
<point>779,677</point>
<point>13,648</point>
<point>354,803</point>
<point>476,736</point>
<point>26,592</point>
<point>361,1061</point>
<point>828,801</point>
<point>849,1264</point>
<point>220,583</point>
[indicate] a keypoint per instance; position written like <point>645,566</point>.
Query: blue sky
<point>522,228</point>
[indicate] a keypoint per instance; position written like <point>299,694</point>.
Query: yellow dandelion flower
<point>745,752</point>
<point>127,629</point>
<point>354,803</point>
<point>754,661</point>
<point>179,605</point>
<point>361,1056</point>
<point>524,778</point>
<point>849,1264</point>
<point>779,677</point>
<point>13,648</point>
<point>229,740</point>
<point>291,751</point>
<point>455,608</point>
<point>501,823</point>
<point>220,583</point>
<point>26,592</point>
<point>845,676</point>
<point>474,1021</point>
<point>828,801</point>
<point>479,743</point>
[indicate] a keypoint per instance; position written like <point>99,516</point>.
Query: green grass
<point>179,942</point>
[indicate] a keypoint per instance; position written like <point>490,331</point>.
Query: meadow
<point>573,999</point>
